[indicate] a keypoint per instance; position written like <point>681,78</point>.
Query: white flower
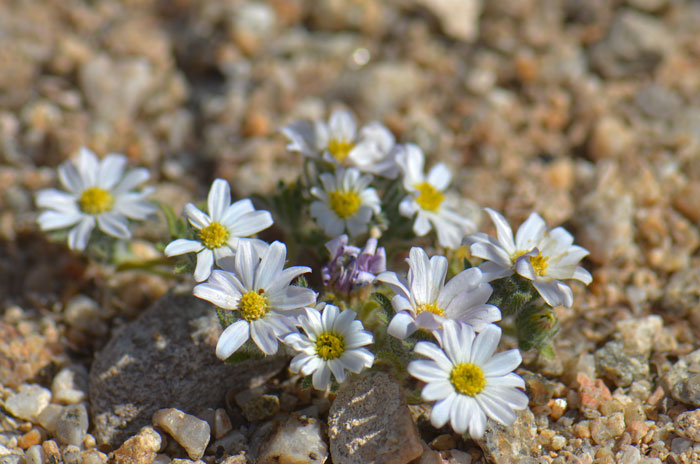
<point>258,288</point>
<point>332,343</point>
<point>346,202</point>
<point>426,302</point>
<point>99,192</point>
<point>339,143</point>
<point>434,209</point>
<point>467,380</point>
<point>221,230</point>
<point>543,257</point>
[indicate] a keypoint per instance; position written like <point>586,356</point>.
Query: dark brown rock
<point>165,358</point>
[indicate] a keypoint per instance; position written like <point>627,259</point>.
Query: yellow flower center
<point>430,307</point>
<point>214,235</point>
<point>468,379</point>
<point>429,198</point>
<point>253,305</point>
<point>340,149</point>
<point>330,345</point>
<point>344,204</point>
<point>95,201</point>
<point>539,264</point>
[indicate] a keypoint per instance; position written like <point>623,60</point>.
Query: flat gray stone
<point>28,403</point>
<point>369,422</point>
<point>516,443</point>
<point>165,358</point>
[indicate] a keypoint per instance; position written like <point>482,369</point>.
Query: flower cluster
<point>436,322</point>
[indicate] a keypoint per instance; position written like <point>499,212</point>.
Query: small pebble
<point>28,402</point>
<point>222,423</point>
<point>35,455</point>
<point>72,425</point>
<point>139,449</point>
<point>93,456</point>
<point>191,433</point>
<point>443,442</point>
<point>48,418</point>
<point>69,385</point>
<point>30,439</point>
<point>558,442</point>
<point>71,455</point>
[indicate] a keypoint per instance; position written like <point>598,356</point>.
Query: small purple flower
<point>351,268</point>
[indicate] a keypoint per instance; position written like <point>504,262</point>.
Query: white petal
<point>439,176</point>
<point>402,325</point>
<point>420,276</point>
<point>432,351</point>
<point>110,170</point>
<point>583,275</point>
<point>395,282</point>
<point>271,264</point>
<point>246,262</point>
<point>505,381</point>
<point>491,271</point>
<point>555,293</point>
<point>357,359</point>
<point>197,218</point>
<point>114,224</point>
<point>485,344</point>
<point>221,296</point>
<point>496,409</point>
<point>70,178</point>
<point>441,411</point>
<point>461,413</point>
<point>477,423</point>
<point>491,252</point>
<point>299,361</point>
<point>57,200</point>
<point>51,220</point>
<point>251,223</point>
<point>131,180</point>
<point>337,369</point>
<point>465,280</point>
<point>422,225</point>
<point>427,371</point>
<point>302,138</point>
<point>342,125</point>
<point>231,339</point>
<point>408,206</point>
<point>134,206</point>
<point>411,161</point>
<point>80,234</point>
<point>321,377</point>
<point>502,363</point>
<point>503,231</point>
<point>219,199</point>
<point>514,398</point>
<point>87,167</point>
<point>263,336</point>
<point>205,262</point>
<point>436,390</point>
<point>457,340</point>
<point>530,232</point>
<point>182,246</point>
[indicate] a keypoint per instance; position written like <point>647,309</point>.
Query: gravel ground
<point>587,112</point>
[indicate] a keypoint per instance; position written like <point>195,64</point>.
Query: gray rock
<point>256,405</point>
<point>658,102</point>
<point>682,295</point>
<point>72,425</point>
<point>294,440</point>
<point>369,422</point>
<point>629,455</point>
<point>28,402</point>
<point>515,443</point>
<point>682,381</point>
<point>232,443</point>
<point>70,384</point>
<point>35,455</point>
<point>48,418</point>
<point>688,425</point>
<point>222,423</point>
<point>191,433</point>
<point>613,363</point>
<point>71,455</point>
<point>166,353</point>
<point>93,456</point>
<point>139,449</point>
<point>636,43</point>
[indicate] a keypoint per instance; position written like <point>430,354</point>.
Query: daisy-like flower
<point>339,143</point>
<point>332,343</point>
<point>258,288</point>
<point>220,231</point>
<point>428,201</point>
<point>99,192</point>
<point>345,202</point>
<point>545,257</point>
<point>467,380</point>
<point>426,302</point>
